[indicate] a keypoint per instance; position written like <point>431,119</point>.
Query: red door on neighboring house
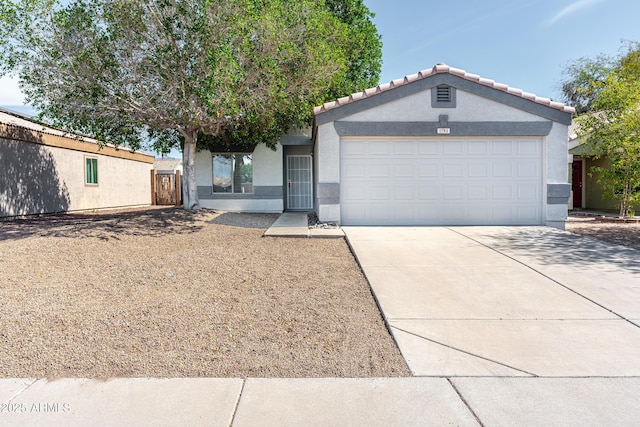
<point>576,184</point>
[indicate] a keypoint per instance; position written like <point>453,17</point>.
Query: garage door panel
<point>405,193</point>
<point>377,192</point>
<point>379,149</point>
<point>453,170</point>
<point>354,193</point>
<point>478,170</point>
<point>503,148</point>
<point>528,148</point>
<point>527,169</point>
<point>354,169</point>
<point>527,192</point>
<point>354,148</point>
<point>479,192</point>
<point>527,214</point>
<point>453,192</point>
<point>378,170</point>
<point>430,148</point>
<point>502,191</point>
<point>443,181</point>
<point>453,148</point>
<point>478,148</point>
<point>503,168</point>
<point>429,170</point>
<point>432,192</point>
<point>404,170</point>
<point>403,148</point>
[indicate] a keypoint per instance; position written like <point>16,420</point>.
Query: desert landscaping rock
<point>621,233</point>
<point>170,293</point>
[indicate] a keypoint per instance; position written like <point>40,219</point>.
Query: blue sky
<point>523,43</point>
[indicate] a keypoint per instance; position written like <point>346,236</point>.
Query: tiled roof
<point>440,69</point>
<point>9,119</point>
<point>16,119</point>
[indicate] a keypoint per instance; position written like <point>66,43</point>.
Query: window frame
<point>233,169</point>
<point>93,170</point>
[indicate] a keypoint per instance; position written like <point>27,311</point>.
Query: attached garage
<point>431,181</point>
<point>442,148</point>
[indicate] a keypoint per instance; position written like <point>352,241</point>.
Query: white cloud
<point>574,7</point>
<point>10,93</point>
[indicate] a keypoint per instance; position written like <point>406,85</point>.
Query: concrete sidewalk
<point>322,402</point>
<point>295,224</point>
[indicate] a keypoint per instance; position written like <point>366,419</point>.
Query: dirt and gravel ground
<point>168,293</point>
<point>620,233</point>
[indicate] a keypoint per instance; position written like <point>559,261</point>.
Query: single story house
<point>44,170</point>
<point>586,191</point>
<point>441,147</point>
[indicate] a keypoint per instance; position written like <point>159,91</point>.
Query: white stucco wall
<point>469,108</point>
<point>267,173</point>
<point>556,172</point>
<point>267,165</point>
<point>417,108</point>
<point>46,179</point>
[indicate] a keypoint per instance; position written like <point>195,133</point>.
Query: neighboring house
<point>44,170</point>
<point>441,147</point>
<point>586,192</point>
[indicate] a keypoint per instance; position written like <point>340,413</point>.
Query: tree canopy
<point>612,128</point>
<point>363,61</point>
<point>124,70</point>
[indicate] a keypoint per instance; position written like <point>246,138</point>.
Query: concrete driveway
<point>505,301</point>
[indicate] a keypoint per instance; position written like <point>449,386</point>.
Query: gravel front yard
<point>620,233</point>
<point>168,293</point>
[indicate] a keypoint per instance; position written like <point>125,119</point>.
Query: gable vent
<point>443,94</point>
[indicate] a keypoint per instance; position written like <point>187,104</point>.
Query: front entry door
<point>576,183</point>
<point>299,183</point>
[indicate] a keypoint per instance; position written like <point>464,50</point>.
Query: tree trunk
<point>189,185</point>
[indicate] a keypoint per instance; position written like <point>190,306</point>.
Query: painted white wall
<point>267,171</point>
<point>417,108</point>
<point>244,205</point>
<point>556,145</point>
<point>204,168</point>
<point>121,182</point>
<point>267,165</point>
<point>469,108</point>
<point>327,150</point>
<point>557,172</point>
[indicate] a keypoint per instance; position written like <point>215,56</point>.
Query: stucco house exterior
<point>441,147</point>
<point>586,192</point>
<point>44,170</point>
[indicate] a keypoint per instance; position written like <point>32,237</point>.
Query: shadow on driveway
<point>549,246</point>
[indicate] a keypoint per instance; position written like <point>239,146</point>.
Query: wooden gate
<point>165,189</point>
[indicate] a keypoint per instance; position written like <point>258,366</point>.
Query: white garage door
<point>441,181</point>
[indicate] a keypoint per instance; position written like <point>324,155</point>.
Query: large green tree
<point>363,54</point>
<point>612,129</point>
<point>125,70</point>
<point>583,80</point>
